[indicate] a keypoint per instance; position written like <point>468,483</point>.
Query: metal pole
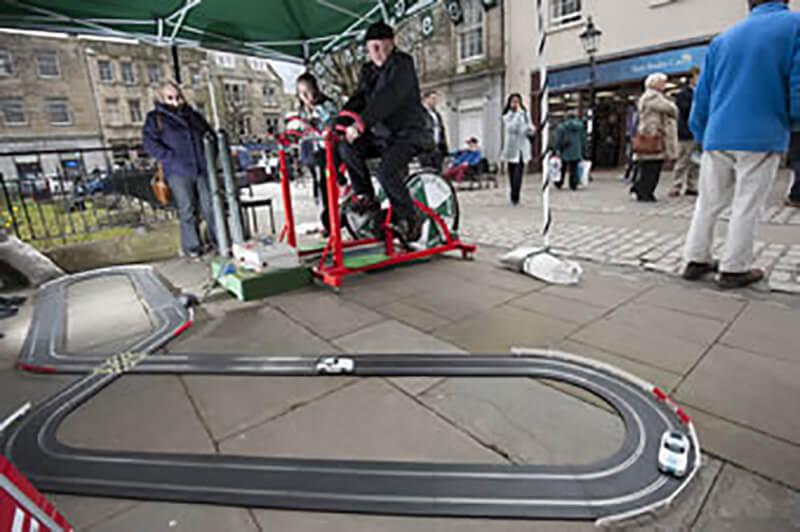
<point>291,237</point>
<point>591,114</point>
<point>176,64</point>
<point>209,143</point>
<point>544,120</point>
<point>231,190</point>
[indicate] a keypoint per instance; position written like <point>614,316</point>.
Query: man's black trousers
<point>391,173</point>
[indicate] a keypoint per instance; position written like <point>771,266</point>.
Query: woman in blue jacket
<point>173,134</point>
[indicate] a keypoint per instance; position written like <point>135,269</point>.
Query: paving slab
<point>104,311</point>
<point>684,511</point>
<point>664,379</point>
<point>647,344</point>
<point>752,450</point>
<point>766,328</point>
<point>153,516</point>
<point>327,314</point>
<point>285,521</point>
<point>501,328</point>
<point>742,501</point>
<point>694,329</point>
<point>252,330</point>
<point>185,274</point>
<point>114,418</point>
<point>600,290</point>
<point>721,306</point>
<point>750,389</point>
<point>369,420</point>
<point>15,329</point>
<point>393,337</point>
<point>559,307</point>
<point>230,404</point>
<point>85,512</point>
<point>413,316</point>
<point>455,298</point>
<point>532,423</point>
<point>18,387</point>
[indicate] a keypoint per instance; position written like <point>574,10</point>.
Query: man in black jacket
<point>685,170</point>
<point>395,129</point>
<point>435,157</point>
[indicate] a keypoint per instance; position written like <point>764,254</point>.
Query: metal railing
<point>60,210</point>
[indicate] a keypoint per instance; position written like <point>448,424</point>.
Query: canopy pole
<point>213,96</point>
<point>176,64</point>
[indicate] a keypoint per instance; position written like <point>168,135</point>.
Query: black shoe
<point>363,204</point>
<point>691,193</point>
<point>13,301</point>
<point>558,184</point>
<point>408,230</point>
<point>789,202</point>
<point>728,281</point>
<point>696,270</point>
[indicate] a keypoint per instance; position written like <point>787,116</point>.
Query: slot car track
<point>623,485</point>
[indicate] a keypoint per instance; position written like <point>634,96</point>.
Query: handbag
<point>158,184</point>
<point>644,144</point>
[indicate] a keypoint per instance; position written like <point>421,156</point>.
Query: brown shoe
<point>674,193</point>
<point>696,270</point>
<point>789,202</point>
<point>728,281</point>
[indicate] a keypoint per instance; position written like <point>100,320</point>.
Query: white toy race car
<point>673,453</point>
<point>335,365</point>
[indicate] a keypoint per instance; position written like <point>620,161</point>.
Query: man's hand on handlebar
<point>352,134</point>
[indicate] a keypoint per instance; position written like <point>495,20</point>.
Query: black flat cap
<point>379,30</point>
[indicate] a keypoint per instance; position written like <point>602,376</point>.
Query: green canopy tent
<point>288,30</point>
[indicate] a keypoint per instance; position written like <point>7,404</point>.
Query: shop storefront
<point>619,84</point>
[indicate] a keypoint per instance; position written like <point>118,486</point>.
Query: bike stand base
<point>248,285</point>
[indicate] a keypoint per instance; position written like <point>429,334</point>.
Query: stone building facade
<point>60,92</point>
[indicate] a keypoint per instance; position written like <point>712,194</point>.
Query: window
<point>201,108</point>
<point>194,75</point>
<point>106,70</point>
<point>470,34</point>
<point>564,11</point>
<point>6,64</point>
<point>258,64</point>
<point>225,60</point>
<point>269,96</point>
<point>272,124</point>
<point>58,111</point>
<point>128,74</point>
<point>136,111</point>
<point>234,92</point>
<point>47,65</point>
<point>112,112</point>
<point>153,73</point>
<point>13,112</point>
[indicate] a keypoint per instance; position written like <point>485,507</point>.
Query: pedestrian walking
<point>793,199</point>
<point>746,99</point>
<point>435,157</point>
<point>686,171</point>
<point>517,149</point>
<point>656,140</point>
<point>173,134</point>
<point>570,145</point>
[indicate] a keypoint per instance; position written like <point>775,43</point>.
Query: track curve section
<point>625,484</point>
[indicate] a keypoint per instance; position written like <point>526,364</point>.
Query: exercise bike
<point>434,196</point>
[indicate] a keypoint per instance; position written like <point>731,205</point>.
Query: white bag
<point>553,166</point>
<point>584,173</point>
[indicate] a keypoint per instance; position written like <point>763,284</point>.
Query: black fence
<point>74,206</point>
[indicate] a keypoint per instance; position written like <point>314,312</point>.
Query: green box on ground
<point>248,285</point>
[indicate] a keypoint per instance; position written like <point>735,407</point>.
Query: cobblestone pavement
<point>604,226</point>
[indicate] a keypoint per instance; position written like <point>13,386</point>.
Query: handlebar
<point>359,123</point>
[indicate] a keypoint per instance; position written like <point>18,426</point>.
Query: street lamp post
<point>590,38</point>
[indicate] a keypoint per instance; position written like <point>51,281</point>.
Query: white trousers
<point>745,176</point>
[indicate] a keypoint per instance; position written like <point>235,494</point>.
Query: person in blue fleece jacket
<point>746,100</point>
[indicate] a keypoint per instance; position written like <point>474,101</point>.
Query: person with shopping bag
<point>656,140</point>
<point>570,145</point>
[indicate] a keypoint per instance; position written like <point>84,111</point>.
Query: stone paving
<point>633,240</point>
<point>729,358</point>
